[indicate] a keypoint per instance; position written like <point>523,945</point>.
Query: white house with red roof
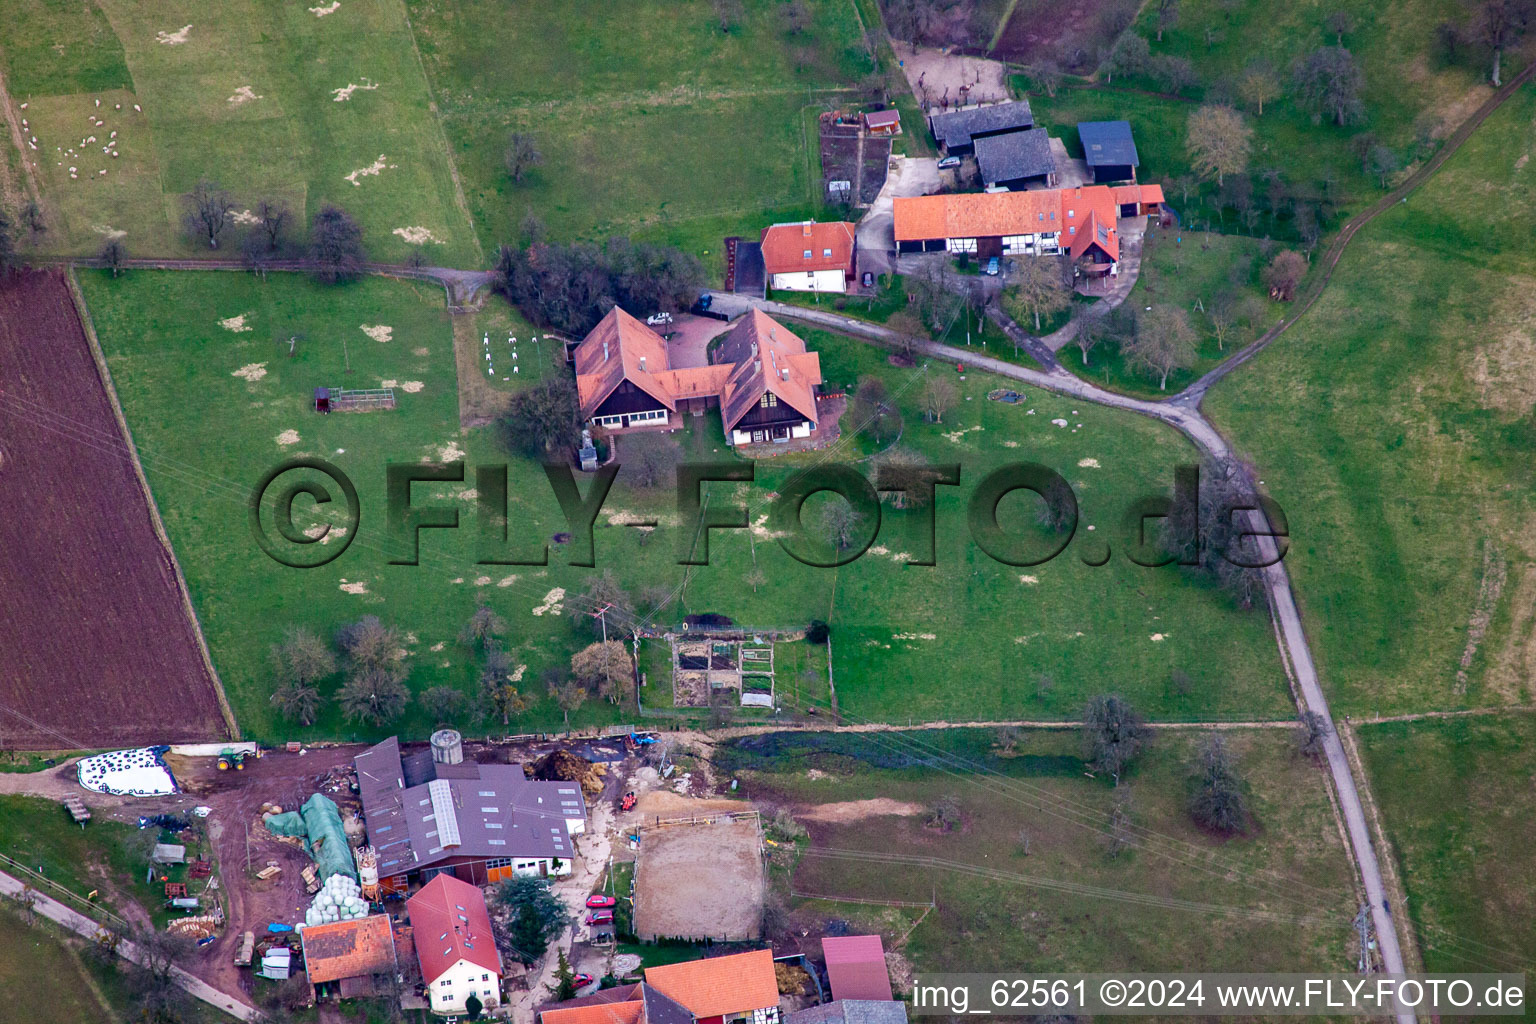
<point>805,256</point>
<point>454,945</point>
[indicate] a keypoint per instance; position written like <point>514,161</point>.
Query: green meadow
<point>215,402</point>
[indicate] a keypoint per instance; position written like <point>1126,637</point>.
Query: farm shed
<point>1109,150</point>
<point>957,131</point>
<point>169,853</point>
<point>1016,160</point>
<point>348,954</point>
<point>883,122</point>
<point>856,967</point>
<point>851,1011</point>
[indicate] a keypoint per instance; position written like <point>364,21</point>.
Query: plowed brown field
<point>96,648</point>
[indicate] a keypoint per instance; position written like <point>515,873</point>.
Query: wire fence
<point>49,887</point>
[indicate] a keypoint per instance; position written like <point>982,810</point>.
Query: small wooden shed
<point>322,399</point>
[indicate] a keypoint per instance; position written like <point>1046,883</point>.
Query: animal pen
<point>739,669</point>
<point>700,878</point>
<point>329,400</point>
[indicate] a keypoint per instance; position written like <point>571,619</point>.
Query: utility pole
<point>1363,926</point>
<point>602,616</point>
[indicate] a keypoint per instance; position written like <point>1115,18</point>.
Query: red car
<point>599,901</point>
<point>582,980</point>
<point>600,917</point>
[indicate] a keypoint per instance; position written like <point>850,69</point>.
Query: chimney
<point>805,229</point>
<point>785,373</point>
<point>757,366</point>
<point>642,363</point>
<point>754,348</point>
<point>605,351</point>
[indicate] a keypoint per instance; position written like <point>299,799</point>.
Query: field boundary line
<point>442,136</point>
<point>104,373</point>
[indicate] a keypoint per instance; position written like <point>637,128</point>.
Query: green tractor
<point>232,758</point>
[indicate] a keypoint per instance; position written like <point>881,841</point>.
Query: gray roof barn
<point>447,811</point>
<point>851,1011</point>
<point>1015,155</point>
<point>1108,143</point>
<point>960,127</point>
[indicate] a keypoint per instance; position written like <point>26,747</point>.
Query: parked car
<point>582,980</point>
<point>600,917</point>
<point>869,279</point>
<point>991,268</point>
<point>599,901</point>
<point>948,162</point>
<point>658,319</point>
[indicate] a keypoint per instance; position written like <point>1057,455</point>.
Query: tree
<point>1283,274</point>
<point>1113,734</point>
<point>300,661</point>
<point>535,917</point>
<point>543,420</point>
<point>374,696</point>
<point>754,578</point>
<point>473,1007</point>
<point>483,627</point>
<point>1047,76</point>
<point>368,644</point>
<point>32,216</point>
<point>153,983</point>
<point>872,410</point>
<point>208,209</point>
<point>945,814</point>
<point>1038,288</point>
<point>650,460</point>
<point>1382,163</point>
<point>817,632</point>
<point>728,13</point>
<point>1201,533</point>
<point>113,255</point>
<point>1167,14</point>
<point>255,253</point>
<point>498,678</point>
<point>1258,84</point>
<point>571,287</point>
<point>604,592</point>
<point>569,696</point>
<point>1164,343</point>
<point>297,702</point>
<point>935,301</point>
<point>1312,731</point>
<point>1218,141</point>
<point>443,704</point>
<point>1058,506</point>
<point>1174,74</point>
<point>522,154</point>
<point>336,245</point>
<point>796,17</point>
<point>1499,23</point>
<point>606,668</point>
<point>1088,331</point>
<point>1130,55</point>
<point>8,257</point>
<point>1224,311</point>
<point>1340,23</point>
<point>272,217</point>
<point>939,396</point>
<point>902,468</point>
<point>565,979</point>
<point>1329,81</point>
<point>1217,800</point>
<point>838,522</point>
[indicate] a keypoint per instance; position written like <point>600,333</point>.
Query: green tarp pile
<point>318,823</point>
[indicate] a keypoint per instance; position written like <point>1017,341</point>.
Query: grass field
<point>36,960</point>
<point>652,122</point>
<point>1294,865</point>
<point>1456,799</point>
<point>109,856</point>
<point>274,103</point>
<point>1394,424</point>
<point>899,631</point>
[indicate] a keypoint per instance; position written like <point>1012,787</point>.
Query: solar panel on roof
<point>442,807</point>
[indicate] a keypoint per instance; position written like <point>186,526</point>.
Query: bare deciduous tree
<point>375,695</point>
<point>1329,80</point>
<point>336,245</point>
<point>1218,801</point>
<point>1258,84</point>
<point>443,704</point>
<point>1039,287</point>
<point>521,156</point>
<point>1088,331</point>
<point>1218,141</point>
<point>113,255</point>
<point>1312,731</point>
<point>939,396</point>
<point>1113,734</point>
<point>1167,15</point>
<point>208,210</point>
<point>606,668</point>
<point>1283,274</point>
<point>272,217</point>
<point>1499,23</point>
<point>839,522</point>
<point>1164,343</point>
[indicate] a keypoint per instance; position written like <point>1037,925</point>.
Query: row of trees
<point>1115,734</point>
<point>569,287</point>
<point>371,656</point>
<point>334,246</point>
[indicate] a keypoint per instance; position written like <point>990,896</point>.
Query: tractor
<point>231,758</point>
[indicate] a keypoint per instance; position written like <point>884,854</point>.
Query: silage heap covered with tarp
<point>318,823</point>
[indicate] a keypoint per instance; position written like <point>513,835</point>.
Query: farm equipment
<point>628,803</point>
<point>231,758</point>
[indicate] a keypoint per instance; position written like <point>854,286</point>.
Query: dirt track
<point>99,650</point>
